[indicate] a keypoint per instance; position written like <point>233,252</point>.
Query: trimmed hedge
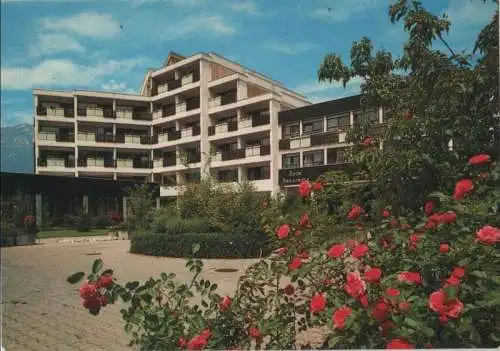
<point>212,245</point>
<point>170,225</point>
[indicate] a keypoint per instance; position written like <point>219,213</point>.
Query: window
<point>314,158</point>
<point>337,122</point>
<point>291,161</point>
<point>226,120</point>
<point>259,173</point>
<point>312,127</point>
<point>228,176</point>
<point>337,155</point>
<point>368,117</point>
<point>291,131</point>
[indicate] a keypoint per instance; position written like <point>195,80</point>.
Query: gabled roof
<point>172,58</point>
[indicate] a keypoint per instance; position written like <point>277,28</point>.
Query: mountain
<point>17,149</point>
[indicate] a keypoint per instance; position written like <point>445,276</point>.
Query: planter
<point>8,241</point>
<point>25,239</point>
<point>123,235</point>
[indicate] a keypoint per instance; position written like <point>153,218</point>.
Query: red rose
<point>440,218</point>
<point>88,290</point>
<point>405,226</point>
<point>386,214</point>
<point>367,141</point>
<point>304,221</point>
<point>381,311</point>
<point>394,222</point>
<point>444,248</point>
<point>295,264</point>
<point>255,333</point>
<point>387,326</point>
<point>359,251</point>
<point>182,342</point>
<point>355,212</point>
<point>339,317</point>
<point>92,303</point>
<point>458,272</point>
<point>304,188</point>
<point>355,286</point>
<point>336,251</point>
<point>479,159</point>
<point>318,303</point>
<point>429,207</point>
<point>439,302</point>
<point>488,235</point>
<point>317,186</point>
<point>206,333</point>
<point>410,277</point>
<point>462,187</point>
<point>449,217</point>
<point>199,342</point>
<point>363,300</point>
<point>373,275</point>
<point>392,292</point>
<point>399,344</point>
<point>303,255</point>
<point>281,251</point>
<point>105,281</point>
<point>404,306</point>
<point>226,302</point>
<point>289,289</point>
<point>327,282</point>
<point>103,300</point>
<point>452,281</point>
<point>298,232</point>
<point>283,231</point>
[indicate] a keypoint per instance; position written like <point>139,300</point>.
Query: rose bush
<point>399,288</point>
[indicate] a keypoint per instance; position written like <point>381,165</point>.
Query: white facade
<point>196,116</point>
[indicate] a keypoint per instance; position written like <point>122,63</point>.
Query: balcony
<point>223,128</point>
<point>258,118</point>
<point>258,150</point>
<point>186,79</point>
<point>96,112</point>
<point>165,111</point>
<point>297,143</point>
<point>190,131</point>
<point>96,162</point>
<point>188,105</point>
<point>223,99</point>
<point>133,163</point>
<point>54,136</point>
<point>165,162</point>
<point>53,161</point>
<point>58,112</point>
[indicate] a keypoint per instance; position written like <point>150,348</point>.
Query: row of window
<point>315,158</point>
<point>253,173</point>
<point>333,123</point>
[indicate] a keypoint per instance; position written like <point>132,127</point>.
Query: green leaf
<point>412,323</point>
<point>196,248</point>
<point>334,340</point>
<point>75,278</point>
<point>479,274</point>
<point>164,276</point>
<point>108,272</point>
<point>451,292</point>
<point>132,285</point>
<point>97,266</point>
<point>213,287</point>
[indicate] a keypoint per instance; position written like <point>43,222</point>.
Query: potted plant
<point>28,236</point>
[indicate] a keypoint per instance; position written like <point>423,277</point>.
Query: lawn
<point>69,233</point>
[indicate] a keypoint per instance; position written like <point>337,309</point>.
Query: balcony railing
<point>193,158</point>
<point>133,163</point>
<point>188,105</point>
<point>165,162</point>
<point>164,111</point>
<point>223,99</point>
<point>149,140</point>
<point>223,128</point>
<point>233,155</point>
<point>67,112</point>
<point>55,162</point>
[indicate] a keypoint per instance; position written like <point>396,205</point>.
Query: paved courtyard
<point>41,311</point>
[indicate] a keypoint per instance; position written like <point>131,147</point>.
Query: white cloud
<point>322,91</point>
<point>288,49</point>
<point>90,24</point>
<point>170,2</point>
<point>201,25</point>
<point>11,118</point>
<point>63,72</point>
<point>344,10</point>
<point>25,1</point>
<point>51,43</point>
<point>247,6</point>
<point>470,13</point>
<point>121,87</point>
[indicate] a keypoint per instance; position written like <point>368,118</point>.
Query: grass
<point>69,233</point>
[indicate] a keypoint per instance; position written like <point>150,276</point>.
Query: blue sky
<point>109,44</point>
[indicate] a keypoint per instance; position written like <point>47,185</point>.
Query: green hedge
<point>212,245</point>
<point>172,225</point>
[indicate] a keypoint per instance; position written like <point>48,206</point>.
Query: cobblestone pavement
<point>41,311</point>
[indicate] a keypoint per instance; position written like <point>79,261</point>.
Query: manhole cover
<point>226,270</point>
<point>93,253</point>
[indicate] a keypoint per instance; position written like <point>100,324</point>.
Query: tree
<point>430,96</point>
<point>140,207</point>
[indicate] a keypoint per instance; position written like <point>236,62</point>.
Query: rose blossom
<point>88,290</point>
<point>283,231</point>
<point>439,302</point>
<point>105,281</point>
<point>304,221</point>
<point>336,251</point>
<point>479,159</point>
<point>488,235</point>
<point>318,303</point>
<point>387,326</point>
<point>289,289</point>
<point>399,344</point>
<point>373,275</point>
<point>226,302</point>
<point>355,286</point>
<point>281,251</point>
<point>381,311</point>
<point>386,213</point>
<point>317,186</point>
<point>429,207</point>
<point>444,248</point>
<point>410,277</point>
<point>355,212</point>
<point>339,317</point>
<point>304,188</point>
<point>295,264</point>
<point>255,333</point>
<point>392,292</point>
<point>92,303</point>
<point>462,187</point>
<point>458,272</point>
<point>452,281</point>
<point>359,251</point>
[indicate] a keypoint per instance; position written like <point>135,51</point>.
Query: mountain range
<point>16,152</point>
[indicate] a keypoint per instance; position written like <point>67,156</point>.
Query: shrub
<point>67,221</point>
<point>30,225</point>
<point>165,224</point>
<point>212,245</point>
<point>84,223</point>
<point>101,222</point>
<point>8,232</point>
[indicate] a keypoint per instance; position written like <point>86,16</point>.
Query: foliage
<point>422,281</point>
<point>212,244</point>
<point>171,225</point>
<point>84,223</point>
<point>429,97</point>
<point>30,226</point>
<point>140,207</point>
<point>8,233</point>
<point>101,222</point>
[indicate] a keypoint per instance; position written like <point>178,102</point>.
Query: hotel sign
<point>293,176</point>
